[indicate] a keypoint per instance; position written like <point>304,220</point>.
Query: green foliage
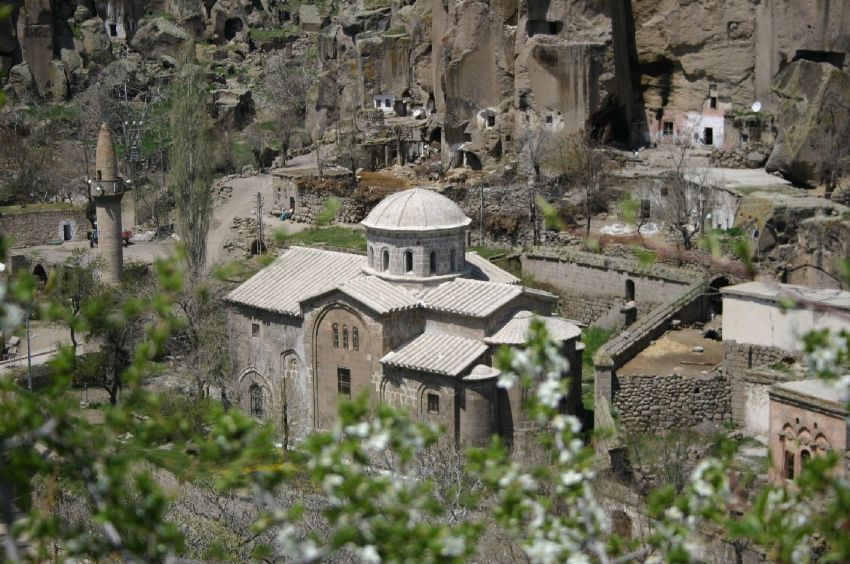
<point>593,338</point>
<point>334,236</point>
<point>191,158</point>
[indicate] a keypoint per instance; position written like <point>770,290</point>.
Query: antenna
<point>756,106</point>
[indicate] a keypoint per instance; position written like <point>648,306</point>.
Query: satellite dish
<point>756,106</point>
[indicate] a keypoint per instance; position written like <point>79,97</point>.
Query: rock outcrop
<point>813,119</point>
<point>159,37</point>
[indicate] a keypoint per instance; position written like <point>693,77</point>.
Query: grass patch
<point>270,34</point>
<point>53,112</point>
<point>593,338</point>
<point>29,208</point>
<point>334,236</point>
<point>490,252</point>
<point>242,155</point>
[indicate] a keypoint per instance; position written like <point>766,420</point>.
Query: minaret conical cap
<point>105,160</point>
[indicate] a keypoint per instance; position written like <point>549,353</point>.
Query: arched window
<point>336,335</point>
<point>805,456</point>
<point>371,257</point>
<point>789,465</point>
<point>630,290</point>
<point>433,263</point>
<point>452,261</point>
<point>345,337</point>
<point>355,339</point>
<point>408,262</point>
<point>385,264</point>
<point>99,175</point>
<point>256,394</point>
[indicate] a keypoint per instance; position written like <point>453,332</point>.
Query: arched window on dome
<point>433,263</point>
<point>453,261</point>
<point>385,260</point>
<point>371,256</point>
<point>408,262</point>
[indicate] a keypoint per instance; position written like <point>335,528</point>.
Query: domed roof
<point>417,209</point>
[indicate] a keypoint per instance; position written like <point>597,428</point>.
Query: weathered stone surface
<point>234,107</point>
<point>58,81</point>
<point>21,81</point>
<point>81,13</point>
<point>36,33</point>
<point>159,37</point>
<point>96,43</point>
<point>811,118</point>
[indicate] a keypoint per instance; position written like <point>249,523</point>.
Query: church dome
<point>417,209</point>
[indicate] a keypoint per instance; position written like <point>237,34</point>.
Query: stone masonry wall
<point>40,227</point>
<point>599,282</point>
<point>738,359</point>
<point>653,402</point>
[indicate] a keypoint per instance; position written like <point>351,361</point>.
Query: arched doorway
<point>40,273</point>
<point>715,298</point>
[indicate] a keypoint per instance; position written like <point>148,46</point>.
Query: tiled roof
<point>515,330</point>
<point>437,353</point>
<point>378,294</point>
<point>482,269</point>
<point>472,298</point>
<point>296,275</point>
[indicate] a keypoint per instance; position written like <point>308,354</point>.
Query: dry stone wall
<point>654,402</point>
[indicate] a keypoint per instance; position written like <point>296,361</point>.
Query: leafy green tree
<point>191,157</point>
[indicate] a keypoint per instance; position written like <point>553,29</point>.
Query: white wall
<point>752,321</point>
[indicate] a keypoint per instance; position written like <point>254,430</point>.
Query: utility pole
<point>29,355</point>
<point>261,245</point>
<point>481,219</point>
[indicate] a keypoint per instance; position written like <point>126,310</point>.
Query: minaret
<point>108,191</point>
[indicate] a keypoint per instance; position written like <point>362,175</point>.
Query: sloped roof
<point>378,294</point>
<point>437,353</point>
<point>296,275</point>
<point>482,269</point>
<point>417,209</point>
<point>472,298</point>
<point>515,330</point>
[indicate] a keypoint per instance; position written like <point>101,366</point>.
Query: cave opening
<point>231,27</point>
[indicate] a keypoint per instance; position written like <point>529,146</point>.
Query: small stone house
<point>415,323</point>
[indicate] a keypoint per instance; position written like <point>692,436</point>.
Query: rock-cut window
<point>336,335</point>
<point>256,394</point>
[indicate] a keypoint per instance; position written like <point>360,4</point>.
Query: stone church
<point>414,323</point>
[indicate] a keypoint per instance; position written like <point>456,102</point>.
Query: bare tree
<point>191,158</point>
<point>582,157</point>
<point>27,171</point>
<point>258,136</point>
<point>533,144</point>
<point>349,151</point>
<point>686,196</point>
<point>285,86</point>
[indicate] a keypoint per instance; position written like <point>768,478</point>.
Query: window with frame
<point>789,465</point>
<point>355,339</point>
<point>256,397</point>
<point>667,128</point>
<point>255,329</point>
<point>335,332</point>
<point>345,337</point>
<point>343,382</point>
<point>433,403</point>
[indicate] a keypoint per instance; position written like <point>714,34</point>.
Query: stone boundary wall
<point>738,360</point>
<point>655,402</point>
<point>601,280</point>
<point>584,309</point>
<point>688,307</point>
<point>312,204</point>
<point>40,227</point>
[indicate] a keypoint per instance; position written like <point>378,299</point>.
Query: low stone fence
<point>654,402</point>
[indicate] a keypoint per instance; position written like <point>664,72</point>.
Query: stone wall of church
<point>738,360</point>
<point>268,350</point>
